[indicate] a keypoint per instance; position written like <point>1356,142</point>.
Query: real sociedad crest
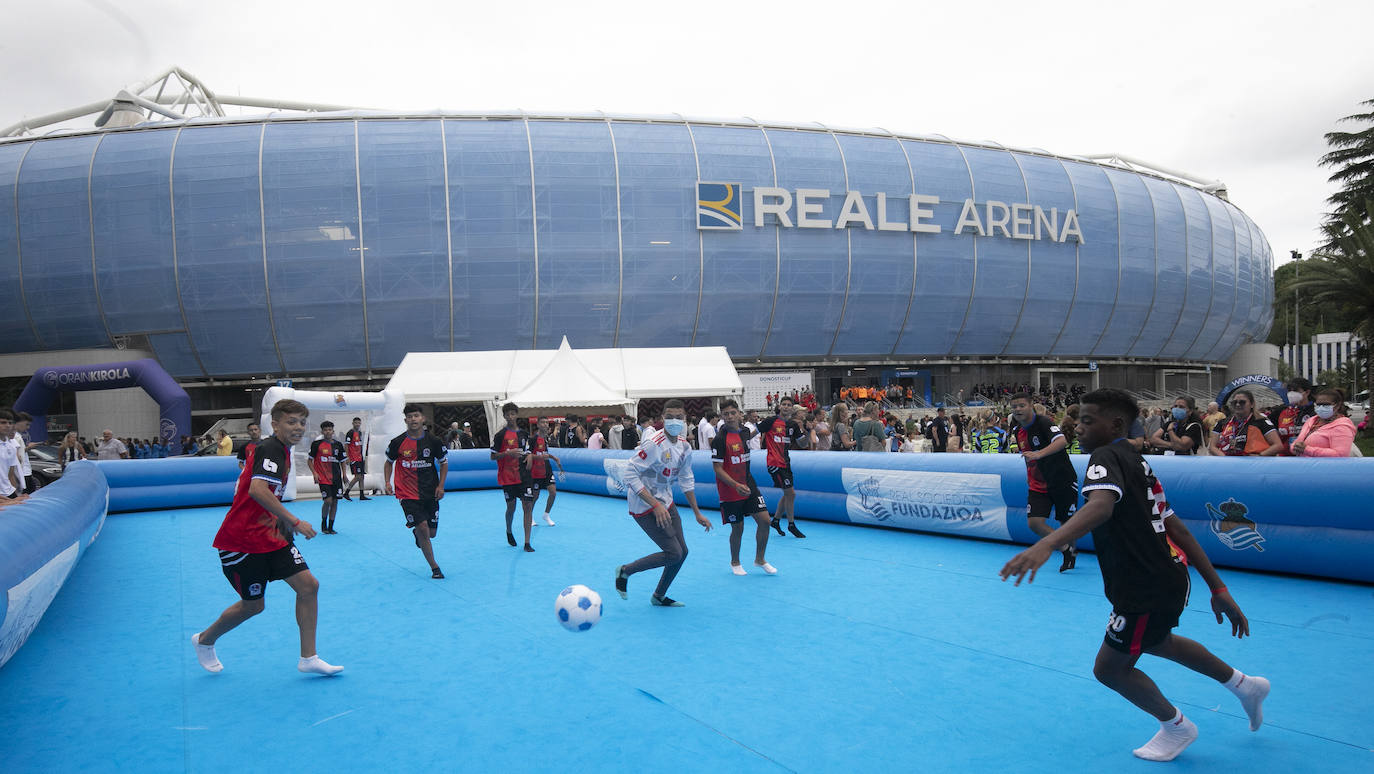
<point>339,400</point>
<point>1233,528</point>
<point>718,207</point>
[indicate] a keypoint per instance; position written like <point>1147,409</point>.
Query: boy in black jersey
<point>779,435</point>
<point>1050,480</point>
<point>326,458</point>
<point>354,441</point>
<point>1145,580</point>
<point>739,495</point>
<point>421,464</point>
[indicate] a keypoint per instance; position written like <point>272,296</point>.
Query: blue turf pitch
<point>871,650</point>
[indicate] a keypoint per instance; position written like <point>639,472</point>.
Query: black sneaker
<point>777,525</point>
<point>795,532</point>
<point>658,601</point>
<point>438,573</point>
<point>510,538</point>
<point>1070,560</point>
<point>622,582</point>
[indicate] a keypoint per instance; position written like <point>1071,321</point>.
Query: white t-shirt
<point>596,441</point>
<point>706,432</point>
<point>755,442</point>
<point>655,466</point>
<point>24,467</point>
<point>8,460</point>
<point>112,449</point>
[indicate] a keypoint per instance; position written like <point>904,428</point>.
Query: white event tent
<point>588,381</point>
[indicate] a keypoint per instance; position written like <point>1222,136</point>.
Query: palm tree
<point>1353,156</point>
<point>1344,277</point>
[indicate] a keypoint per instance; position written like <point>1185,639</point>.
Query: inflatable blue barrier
<point>41,540</point>
<point>1297,515</point>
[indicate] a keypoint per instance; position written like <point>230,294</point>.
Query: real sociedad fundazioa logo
<point>1233,528</point>
<point>718,207</point>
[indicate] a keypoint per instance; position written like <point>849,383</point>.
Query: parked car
<point>45,463</point>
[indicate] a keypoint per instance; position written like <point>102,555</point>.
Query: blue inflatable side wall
<point>41,541</point>
<point>1309,516</point>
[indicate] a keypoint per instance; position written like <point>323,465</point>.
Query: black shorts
<point>739,510</point>
<point>30,484</point>
<point>545,482</point>
<point>524,491</point>
<point>782,477</point>
<point>417,511</point>
<point>249,574</point>
<point>1133,633</point>
<point>1064,501</point>
<point>331,491</point>
<point>357,467</point>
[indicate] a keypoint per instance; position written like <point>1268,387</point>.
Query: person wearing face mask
<point>1245,433</point>
<point>1327,433</point>
<point>663,457</point>
<point>1289,420</point>
<point>1183,432</point>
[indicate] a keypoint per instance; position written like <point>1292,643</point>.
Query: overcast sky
<point>1236,91</point>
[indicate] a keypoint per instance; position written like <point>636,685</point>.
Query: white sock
<point>205,654</point>
<point>768,568</point>
<point>1251,691</point>
<point>738,570</point>
<point>318,665</point>
<point>1174,735</point>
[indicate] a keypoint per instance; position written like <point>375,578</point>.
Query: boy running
<point>255,544</point>
<point>509,447</point>
<point>1146,582</point>
<point>326,458</point>
<point>663,457</point>
<point>779,433</point>
<point>540,472</point>
<point>417,485</point>
<point>1050,479</point>
<point>739,495</point>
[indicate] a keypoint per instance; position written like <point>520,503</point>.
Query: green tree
<point>1313,317</point>
<point>1352,155</point>
<point>1344,277</point>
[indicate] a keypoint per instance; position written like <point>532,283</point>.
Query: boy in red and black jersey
<point>420,463</point>
<point>255,544</point>
<point>510,447</point>
<point>1050,478</point>
<point>254,438</point>
<point>739,495</point>
<point>779,433</point>
<point>326,466</point>
<point>541,474</point>
<point>1138,543</point>
<point>356,443</point>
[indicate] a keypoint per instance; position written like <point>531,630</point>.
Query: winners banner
<point>962,503</point>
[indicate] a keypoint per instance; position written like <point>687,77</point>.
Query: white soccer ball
<point>578,608</point>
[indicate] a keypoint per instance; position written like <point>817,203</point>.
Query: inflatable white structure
<point>382,421</point>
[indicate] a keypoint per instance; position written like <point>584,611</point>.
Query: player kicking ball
<point>664,456</point>
<point>1146,582</point>
<point>739,495</point>
<point>255,544</point>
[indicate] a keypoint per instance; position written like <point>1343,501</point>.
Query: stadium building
<point>322,246</point>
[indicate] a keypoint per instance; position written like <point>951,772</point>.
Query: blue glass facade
<point>341,243</point>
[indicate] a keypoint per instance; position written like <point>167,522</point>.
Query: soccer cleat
<point>795,532</point>
<point>738,570</point>
<point>658,601</point>
<point>622,582</point>
<point>510,538</point>
<point>1070,559</point>
<point>1171,740</point>
<point>768,568</point>
<point>777,525</point>
<point>438,573</point>
<point>548,519</point>
<point>529,548</point>
<point>205,654</point>
<point>317,665</point>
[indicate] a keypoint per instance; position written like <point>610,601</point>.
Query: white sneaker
<point>205,654</point>
<point>548,520</point>
<point>768,568</point>
<point>738,570</point>
<point>319,666</point>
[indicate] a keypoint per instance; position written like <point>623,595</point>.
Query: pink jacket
<point>1332,439</point>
